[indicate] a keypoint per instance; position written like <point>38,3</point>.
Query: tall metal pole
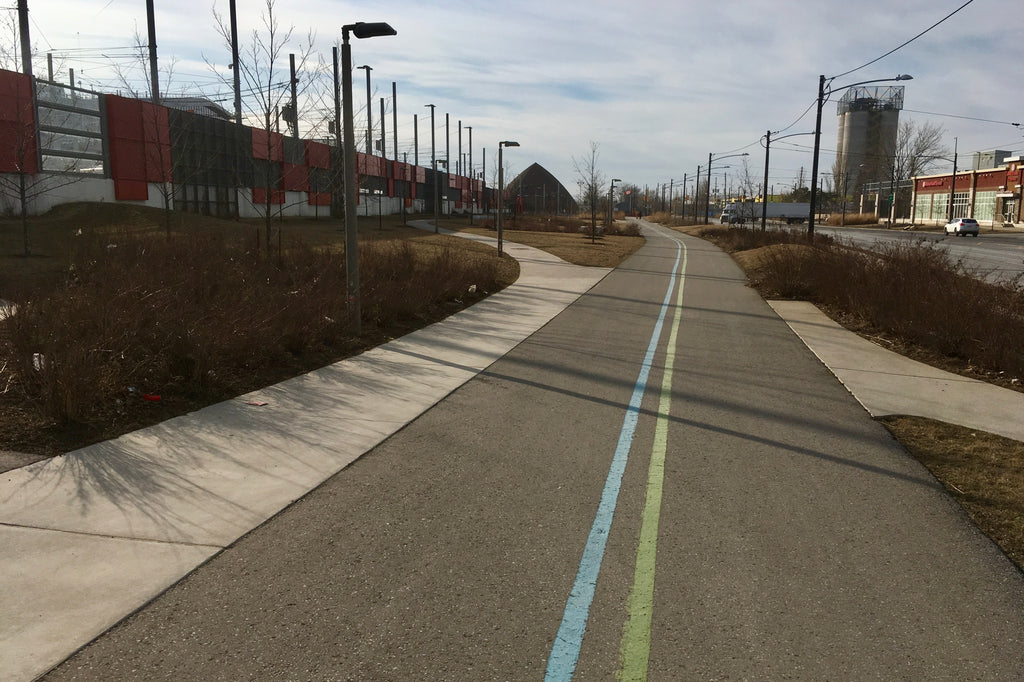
<point>383,137</point>
<point>415,140</point>
<point>460,163</point>
<point>472,180</point>
<point>26,40</point>
<point>295,99</point>
<point>153,75</point>
<point>236,69</point>
<point>501,198</point>
<point>351,229</point>
<point>696,198</point>
<point>369,111</point>
<point>433,164</point>
<point>684,197</point>
<point>337,100</point>
<point>707,195</point>
<point>764,199</point>
<point>394,115</point>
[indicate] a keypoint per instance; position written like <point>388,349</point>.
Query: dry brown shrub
<point>200,315</point>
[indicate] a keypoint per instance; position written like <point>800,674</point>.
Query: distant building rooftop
<point>198,105</point>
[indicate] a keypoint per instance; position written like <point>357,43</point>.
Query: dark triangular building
<point>538,191</point>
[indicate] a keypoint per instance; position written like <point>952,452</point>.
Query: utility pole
<point>26,41</point>
<point>472,180</point>
<point>295,100</point>
<point>337,100</point>
<point>433,164</point>
<point>696,194</point>
<point>236,77</point>
<point>369,110</point>
<point>153,77</point>
<point>383,140</point>
<point>684,197</point>
<point>764,202</point>
<point>394,115</point>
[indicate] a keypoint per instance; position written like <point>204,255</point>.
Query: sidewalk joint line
<point>4,524</point>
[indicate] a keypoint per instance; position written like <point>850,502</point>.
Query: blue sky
<point>658,85</point>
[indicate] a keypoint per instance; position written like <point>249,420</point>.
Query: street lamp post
<point>823,95</point>
<point>611,207</point>
<point>501,189</point>
<point>707,195</point>
<point>359,30</point>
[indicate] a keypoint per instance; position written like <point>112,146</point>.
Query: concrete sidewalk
<point>91,536</point>
<point>886,383</point>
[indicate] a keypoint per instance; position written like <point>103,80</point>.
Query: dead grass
<point>564,240</point>
<point>981,471</point>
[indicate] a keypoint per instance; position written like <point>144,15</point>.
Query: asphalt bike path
<point>661,483</point>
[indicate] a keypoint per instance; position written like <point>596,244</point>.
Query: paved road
<point>762,527</point>
<point>996,255</point>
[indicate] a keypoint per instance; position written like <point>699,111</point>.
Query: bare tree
<point>267,87</point>
<point>748,181</point>
<point>591,184</point>
<point>10,54</point>
<point>918,148</point>
<point>630,194</point>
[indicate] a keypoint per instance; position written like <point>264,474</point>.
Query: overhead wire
<point>902,45</point>
<point>966,118</point>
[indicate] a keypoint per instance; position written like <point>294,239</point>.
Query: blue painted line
<point>565,652</point>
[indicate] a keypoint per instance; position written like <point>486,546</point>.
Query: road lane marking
<point>565,651</point>
<point>635,648</point>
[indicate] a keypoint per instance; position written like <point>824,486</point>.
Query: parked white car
<point>962,226</point>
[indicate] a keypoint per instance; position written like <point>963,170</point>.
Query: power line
<point>799,118</point>
<point>906,43</point>
<point>966,118</point>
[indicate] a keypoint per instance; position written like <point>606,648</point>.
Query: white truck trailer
<point>793,213</point>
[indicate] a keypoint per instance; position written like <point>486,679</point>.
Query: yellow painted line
<point>635,647</point>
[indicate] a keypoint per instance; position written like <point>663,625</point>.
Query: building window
<point>961,204</point>
<point>923,207</point>
<point>984,205</point>
<point>940,206</point>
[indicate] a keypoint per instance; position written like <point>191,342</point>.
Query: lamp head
<point>364,29</point>
<point>904,77</point>
<point>508,143</point>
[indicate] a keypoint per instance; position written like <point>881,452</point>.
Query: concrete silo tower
<point>869,121</point>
